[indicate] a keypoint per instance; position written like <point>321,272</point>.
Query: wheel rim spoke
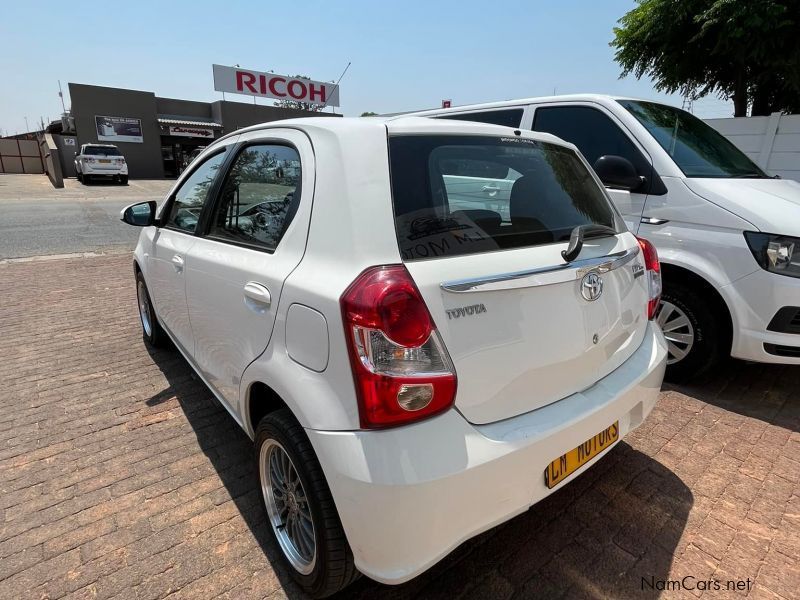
<point>681,321</point>
<point>682,338</point>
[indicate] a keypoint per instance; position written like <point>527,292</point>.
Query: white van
<point>725,231</point>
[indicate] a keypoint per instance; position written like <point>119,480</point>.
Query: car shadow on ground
<point>609,533</point>
<point>760,391</point>
<point>103,183</point>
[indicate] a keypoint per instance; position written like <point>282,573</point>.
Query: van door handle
<point>258,294</point>
<point>490,189</point>
<point>177,262</point>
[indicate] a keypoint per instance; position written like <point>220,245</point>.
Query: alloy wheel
<point>144,308</point>
<point>678,331</point>
<point>287,506</point>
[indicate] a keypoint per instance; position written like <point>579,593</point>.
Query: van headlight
<point>776,253</point>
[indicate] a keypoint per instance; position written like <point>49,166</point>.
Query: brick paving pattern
<point>120,476</point>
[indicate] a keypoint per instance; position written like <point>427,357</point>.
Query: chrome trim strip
<point>543,275</point>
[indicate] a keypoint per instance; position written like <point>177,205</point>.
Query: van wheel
<point>85,179</point>
<point>123,179</point>
<point>300,508</point>
<point>692,330</point>
<point>152,332</point>
<point>80,177</point>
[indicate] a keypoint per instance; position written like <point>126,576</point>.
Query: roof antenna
<point>336,87</point>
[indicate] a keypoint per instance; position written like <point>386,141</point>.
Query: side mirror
<point>618,173</point>
<point>142,214</point>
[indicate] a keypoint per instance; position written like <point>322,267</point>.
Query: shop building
<point>156,135</point>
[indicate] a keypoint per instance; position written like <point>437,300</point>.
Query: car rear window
<point>470,194</point>
<point>101,151</point>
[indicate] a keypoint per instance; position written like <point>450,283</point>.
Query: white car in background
<point>413,372</point>
<point>100,161</point>
<point>727,234</point>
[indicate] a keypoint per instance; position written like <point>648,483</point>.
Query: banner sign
<point>269,85</point>
<point>188,131</point>
<point>118,129</point>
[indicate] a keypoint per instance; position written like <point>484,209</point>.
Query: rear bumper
<point>407,497</point>
<point>107,171</point>
<point>754,300</point>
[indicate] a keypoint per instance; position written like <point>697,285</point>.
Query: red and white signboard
<point>269,85</point>
<point>189,131</point>
<point>447,103</point>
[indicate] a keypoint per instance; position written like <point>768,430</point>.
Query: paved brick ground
<point>121,477</point>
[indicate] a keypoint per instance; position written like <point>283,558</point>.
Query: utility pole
<point>61,95</point>
<point>27,127</point>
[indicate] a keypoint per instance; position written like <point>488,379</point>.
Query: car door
<point>477,185</point>
<point>166,261</point>
<point>253,238</point>
<point>596,133</point>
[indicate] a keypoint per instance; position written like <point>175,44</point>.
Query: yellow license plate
<point>105,160</point>
<point>562,467</point>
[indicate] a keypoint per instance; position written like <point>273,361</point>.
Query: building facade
<point>156,135</point>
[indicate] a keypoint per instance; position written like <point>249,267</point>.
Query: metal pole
<point>61,95</point>
<point>336,86</point>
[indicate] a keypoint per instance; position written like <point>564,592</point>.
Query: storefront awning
<point>187,123</point>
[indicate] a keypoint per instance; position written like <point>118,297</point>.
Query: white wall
<point>773,142</point>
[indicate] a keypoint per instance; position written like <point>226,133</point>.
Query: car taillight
<point>88,160</point>
<point>653,276</point>
<point>401,369</point>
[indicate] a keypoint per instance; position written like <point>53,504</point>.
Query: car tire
<point>152,332</point>
<point>85,179</point>
<point>79,176</point>
<point>296,497</point>
<point>123,179</point>
<point>694,333</point>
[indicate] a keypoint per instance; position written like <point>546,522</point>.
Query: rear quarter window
<point>458,195</point>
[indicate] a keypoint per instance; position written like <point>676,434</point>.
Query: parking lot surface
<point>120,476</point>
<point>37,219</point>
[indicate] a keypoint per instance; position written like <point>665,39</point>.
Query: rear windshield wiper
<point>584,231</point>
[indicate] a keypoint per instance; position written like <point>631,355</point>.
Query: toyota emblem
<point>591,286</point>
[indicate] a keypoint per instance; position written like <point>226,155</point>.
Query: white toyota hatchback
<point>413,370</point>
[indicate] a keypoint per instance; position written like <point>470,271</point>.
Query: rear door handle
<point>490,189</point>
<point>257,296</point>
<point>177,262</point>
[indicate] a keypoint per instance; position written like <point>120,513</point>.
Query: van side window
<point>593,132</point>
<point>511,117</point>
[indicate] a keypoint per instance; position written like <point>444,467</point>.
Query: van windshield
<point>471,194</point>
<point>698,149</point>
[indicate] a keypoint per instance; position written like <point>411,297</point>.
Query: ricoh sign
<point>269,85</point>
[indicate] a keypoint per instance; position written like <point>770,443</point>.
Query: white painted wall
<point>773,142</point>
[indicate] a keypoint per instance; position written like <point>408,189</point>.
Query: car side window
<point>188,201</point>
<point>593,132</point>
<point>511,117</point>
<point>259,196</point>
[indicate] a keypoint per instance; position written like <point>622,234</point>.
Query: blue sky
<point>405,55</point>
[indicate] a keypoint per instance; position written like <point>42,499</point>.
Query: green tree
<point>369,114</point>
<point>312,106</point>
<point>746,50</point>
